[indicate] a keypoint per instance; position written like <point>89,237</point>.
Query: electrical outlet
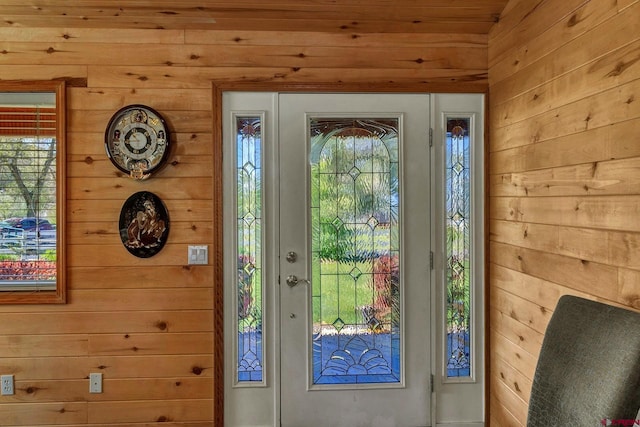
<point>7,384</point>
<point>95,383</point>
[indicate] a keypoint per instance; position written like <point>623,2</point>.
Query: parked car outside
<point>9,223</point>
<point>33,224</point>
<point>28,235</point>
<point>28,227</point>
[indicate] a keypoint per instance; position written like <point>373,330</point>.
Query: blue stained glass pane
<point>249,249</point>
<point>458,247</point>
<point>355,251</point>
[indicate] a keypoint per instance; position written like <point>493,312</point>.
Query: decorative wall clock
<point>137,140</point>
<point>144,224</point>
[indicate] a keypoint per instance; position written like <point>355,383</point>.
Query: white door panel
<point>251,403</point>
<point>336,402</point>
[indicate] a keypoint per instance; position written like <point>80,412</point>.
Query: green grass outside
<point>339,290</point>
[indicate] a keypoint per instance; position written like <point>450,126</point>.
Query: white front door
<point>330,323</point>
<point>354,209</point>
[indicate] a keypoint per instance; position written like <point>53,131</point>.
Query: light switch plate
<point>198,254</point>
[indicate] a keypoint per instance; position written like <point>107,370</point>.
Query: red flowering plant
<point>27,270</point>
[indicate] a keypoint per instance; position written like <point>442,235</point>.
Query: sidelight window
<point>458,246</point>
<point>249,278</point>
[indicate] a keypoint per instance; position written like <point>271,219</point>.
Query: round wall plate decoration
<point>137,140</point>
<point>144,224</point>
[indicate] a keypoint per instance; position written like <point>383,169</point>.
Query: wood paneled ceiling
<point>363,16</point>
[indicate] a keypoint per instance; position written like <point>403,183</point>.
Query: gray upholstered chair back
<point>589,366</point>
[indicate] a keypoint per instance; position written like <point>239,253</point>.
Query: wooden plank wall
<point>564,175</point>
<point>148,324</point>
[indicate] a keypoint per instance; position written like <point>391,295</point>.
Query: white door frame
<point>447,391</point>
<point>218,89</point>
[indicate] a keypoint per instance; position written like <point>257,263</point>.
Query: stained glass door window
<point>249,280</point>
<point>355,250</point>
<point>458,246</point>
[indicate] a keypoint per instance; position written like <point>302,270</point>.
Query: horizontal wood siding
<point>363,16</point>
<point>148,324</point>
<point>564,176</point>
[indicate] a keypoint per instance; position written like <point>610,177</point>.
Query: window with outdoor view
<point>248,288</point>
<point>29,195</point>
<point>355,199</point>
<point>458,246</point>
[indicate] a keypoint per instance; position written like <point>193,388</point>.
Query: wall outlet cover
<point>95,383</point>
<point>6,385</point>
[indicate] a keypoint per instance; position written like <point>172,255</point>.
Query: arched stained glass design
<point>458,246</point>
<point>249,249</point>
<point>355,199</point>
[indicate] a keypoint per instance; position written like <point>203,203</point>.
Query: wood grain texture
<point>568,27</point>
<point>509,398</point>
<point>113,367</point>
<point>564,124</point>
<point>563,176</point>
<point>153,326</point>
<point>381,16</point>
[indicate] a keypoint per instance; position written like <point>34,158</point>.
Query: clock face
<point>137,140</point>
